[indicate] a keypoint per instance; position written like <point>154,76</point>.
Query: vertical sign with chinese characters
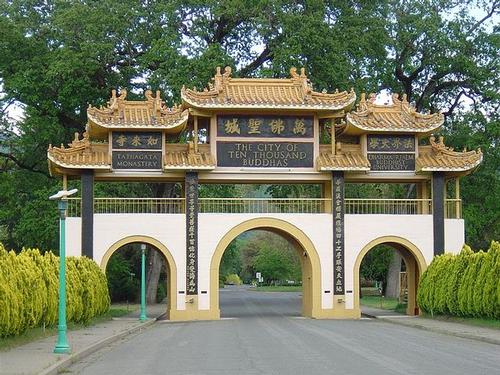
<point>338,232</point>
<point>191,186</point>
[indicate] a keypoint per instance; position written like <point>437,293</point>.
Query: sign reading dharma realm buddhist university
<point>279,148</point>
<point>391,152</point>
<point>137,150</point>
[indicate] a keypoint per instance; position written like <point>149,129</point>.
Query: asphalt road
<point>264,334</point>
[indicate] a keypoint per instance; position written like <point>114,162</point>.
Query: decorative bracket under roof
<point>398,117</point>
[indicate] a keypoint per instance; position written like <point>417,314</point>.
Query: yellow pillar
<point>333,136</point>
<point>195,130</point>
<point>424,194</point>
<point>65,182</point>
<point>458,214</point>
<point>326,193</point>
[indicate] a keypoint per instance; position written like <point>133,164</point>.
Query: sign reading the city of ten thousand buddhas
<point>266,153</point>
<point>137,150</point>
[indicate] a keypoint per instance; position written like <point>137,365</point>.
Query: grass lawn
<point>384,303</point>
<point>478,322</point>
<point>41,332</point>
<point>278,288</point>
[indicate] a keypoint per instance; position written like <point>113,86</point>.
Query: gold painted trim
<point>172,311</point>
<point>415,263</point>
<point>311,270</point>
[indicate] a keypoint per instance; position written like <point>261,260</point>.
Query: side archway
<point>171,267</point>
<point>415,266</point>
<point>310,262</point>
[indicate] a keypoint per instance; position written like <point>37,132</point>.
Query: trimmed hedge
<point>29,290</point>
<point>467,284</point>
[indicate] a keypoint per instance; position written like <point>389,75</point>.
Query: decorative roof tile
<point>346,158</point>
<point>80,154</point>
<point>151,113</point>
<point>438,157</point>
<point>400,116</point>
<point>187,159</point>
<point>265,93</point>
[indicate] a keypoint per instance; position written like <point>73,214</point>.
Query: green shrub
<point>233,279</point>
<point>29,291</point>
<point>467,284</point>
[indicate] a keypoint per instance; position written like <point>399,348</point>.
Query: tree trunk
<point>155,264</point>
<point>156,260</point>
<point>392,288</point>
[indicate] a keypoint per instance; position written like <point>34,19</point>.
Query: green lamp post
<point>143,316</point>
<point>62,346</point>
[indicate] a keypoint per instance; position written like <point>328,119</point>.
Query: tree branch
<point>494,7</point>
<point>456,102</point>
<point>257,62</point>
<point>22,165</point>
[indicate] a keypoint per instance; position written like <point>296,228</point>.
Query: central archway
<point>311,268</point>
<point>170,263</point>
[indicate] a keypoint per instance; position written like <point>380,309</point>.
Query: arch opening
<point>413,263</point>
<point>131,245</point>
<point>303,247</point>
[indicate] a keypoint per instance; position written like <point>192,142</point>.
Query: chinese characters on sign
<point>137,140</point>
<point>191,233</point>
<point>391,152</point>
<point>265,126</point>
<point>391,143</point>
<point>265,154</point>
<point>338,233</point>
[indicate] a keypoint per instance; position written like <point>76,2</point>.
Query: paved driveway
<point>262,333</point>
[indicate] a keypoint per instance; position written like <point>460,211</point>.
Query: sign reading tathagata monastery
<point>391,152</point>
<point>137,150</point>
<point>266,153</point>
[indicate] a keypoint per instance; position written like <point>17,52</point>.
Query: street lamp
<point>143,316</point>
<point>62,346</point>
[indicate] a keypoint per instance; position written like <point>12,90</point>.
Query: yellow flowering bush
<point>29,292</point>
<point>466,284</point>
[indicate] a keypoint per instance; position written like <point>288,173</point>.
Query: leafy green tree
<point>375,264</point>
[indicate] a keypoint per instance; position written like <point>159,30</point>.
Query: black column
<point>438,211</point>
<point>87,179</point>
<point>338,231</point>
<point>191,190</point>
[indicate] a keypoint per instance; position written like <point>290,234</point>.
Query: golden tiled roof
<point>346,158</point>
<point>400,116</point>
<point>80,154</point>
<point>295,92</point>
<point>186,158</point>
<point>151,113</point>
<point>438,157</point>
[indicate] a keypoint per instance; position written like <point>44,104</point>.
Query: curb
<point>75,357</point>
<point>470,336</point>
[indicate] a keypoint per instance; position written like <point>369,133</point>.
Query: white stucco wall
<point>169,229</point>
<point>454,235</point>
